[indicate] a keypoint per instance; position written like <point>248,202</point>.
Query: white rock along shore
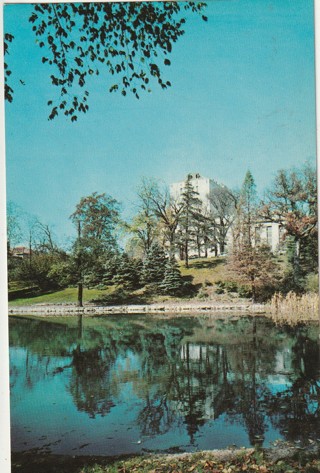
<point>190,307</point>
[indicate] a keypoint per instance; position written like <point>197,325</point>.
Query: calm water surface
<point>132,384</point>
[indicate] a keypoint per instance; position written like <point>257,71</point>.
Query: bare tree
<point>46,242</point>
<point>14,228</point>
<point>164,208</point>
<point>223,202</point>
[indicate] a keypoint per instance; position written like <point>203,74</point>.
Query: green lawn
<point>68,295</point>
<point>200,272</point>
<point>205,269</point>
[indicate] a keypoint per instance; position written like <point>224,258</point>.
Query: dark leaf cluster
<point>130,40</point>
<point>8,91</point>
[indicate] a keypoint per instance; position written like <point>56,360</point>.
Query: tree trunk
<point>186,256</point>
<point>253,289</point>
<point>80,284</point>
<point>80,294</point>
<point>199,248</point>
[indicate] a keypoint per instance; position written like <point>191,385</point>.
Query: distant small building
<point>20,252</point>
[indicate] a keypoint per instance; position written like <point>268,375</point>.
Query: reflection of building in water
<point>281,378</point>
<point>284,361</point>
<point>202,364</point>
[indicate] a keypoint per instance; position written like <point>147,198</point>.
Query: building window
<point>269,235</point>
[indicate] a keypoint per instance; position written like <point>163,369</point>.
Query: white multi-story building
<point>202,185</point>
<point>266,232</point>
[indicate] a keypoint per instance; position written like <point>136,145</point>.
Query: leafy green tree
<point>96,218</point>
<point>173,282</point>
<point>42,270</point>
<point>144,228</point>
<point>154,265</point>
<point>35,268</point>
<point>131,40</point>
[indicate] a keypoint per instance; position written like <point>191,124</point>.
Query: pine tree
<point>246,213</point>
<point>128,272</point>
<point>154,265</point>
<point>173,283</point>
<point>190,214</point>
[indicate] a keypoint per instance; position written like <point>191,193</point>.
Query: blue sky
<point>242,97</point>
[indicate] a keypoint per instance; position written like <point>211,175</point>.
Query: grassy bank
<point>227,461</point>
<point>202,273</point>
<point>64,296</point>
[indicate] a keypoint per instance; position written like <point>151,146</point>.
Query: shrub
<point>231,286</point>
<point>202,294</point>
<point>244,291</point>
<point>312,283</point>
<point>219,290</point>
<point>154,265</point>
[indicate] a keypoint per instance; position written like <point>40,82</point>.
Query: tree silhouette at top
<point>131,40</point>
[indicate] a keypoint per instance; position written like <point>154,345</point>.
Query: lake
<point>139,383</point>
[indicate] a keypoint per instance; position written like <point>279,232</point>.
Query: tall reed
<point>293,308</point>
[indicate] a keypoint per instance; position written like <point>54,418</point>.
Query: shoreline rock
<point>69,309</point>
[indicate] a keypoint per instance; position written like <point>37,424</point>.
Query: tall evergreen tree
<point>190,214</point>
<point>172,283</point>
<point>128,272</point>
<point>246,213</point>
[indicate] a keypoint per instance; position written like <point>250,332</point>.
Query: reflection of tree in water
<point>156,417</point>
<point>249,393</point>
<point>187,373</point>
<point>296,410</point>
<point>40,343</point>
<point>89,382</point>
<point>160,350</point>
